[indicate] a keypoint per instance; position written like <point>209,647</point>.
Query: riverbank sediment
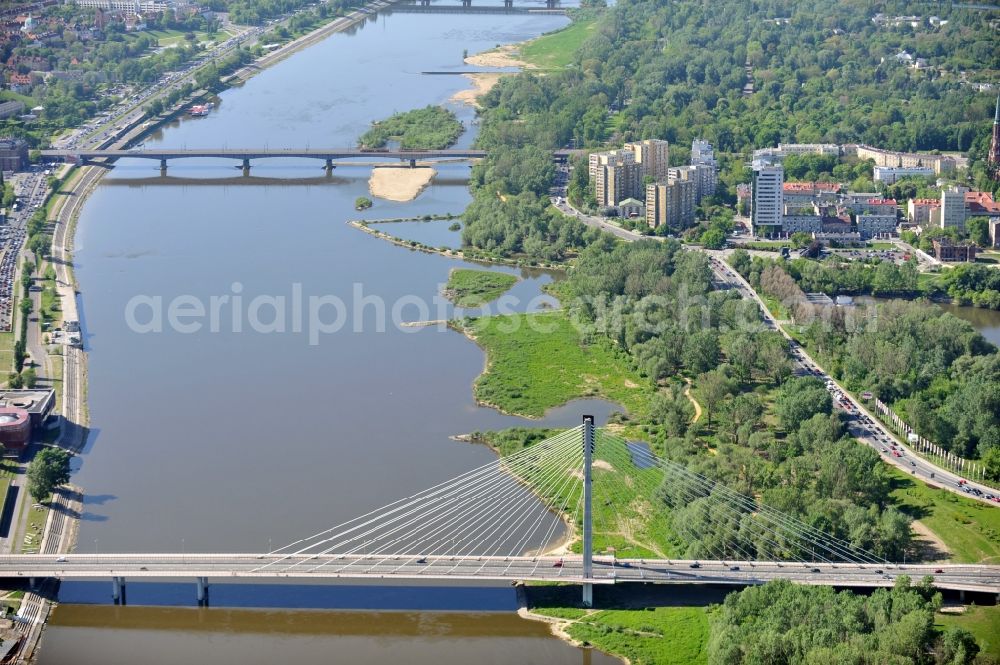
<point>399,183</point>
<point>445,251</point>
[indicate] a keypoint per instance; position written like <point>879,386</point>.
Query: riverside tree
<point>47,471</point>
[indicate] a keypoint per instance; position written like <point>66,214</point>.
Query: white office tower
<point>766,197</point>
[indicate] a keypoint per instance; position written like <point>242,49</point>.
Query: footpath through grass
<point>475,288</point>
<point>970,529</point>
<point>539,361</point>
<point>555,50</point>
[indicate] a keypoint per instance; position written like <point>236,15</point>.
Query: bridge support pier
<point>118,590</point>
<point>246,166</point>
<point>163,167</point>
<point>413,162</point>
<point>328,167</point>
<point>588,526</point>
<point>202,590</point>
<point>961,595</point>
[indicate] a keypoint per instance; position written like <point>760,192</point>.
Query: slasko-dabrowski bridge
<point>520,518</point>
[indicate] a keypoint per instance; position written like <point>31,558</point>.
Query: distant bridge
<point>507,8</point>
<point>498,521</point>
<point>244,155</point>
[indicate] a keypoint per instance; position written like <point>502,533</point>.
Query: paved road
<point>862,423</point>
<point>446,568</point>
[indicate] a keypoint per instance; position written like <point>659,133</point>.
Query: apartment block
<point>939,163</point>
<point>616,176</point>
<point>652,156</point>
<point>670,204</point>
<point>890,174</point>
<point>876,225</point>
<point>924,212</point>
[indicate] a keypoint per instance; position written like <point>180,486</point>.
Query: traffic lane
<point>939,474</point>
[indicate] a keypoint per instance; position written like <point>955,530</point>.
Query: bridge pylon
<point>588,526</point>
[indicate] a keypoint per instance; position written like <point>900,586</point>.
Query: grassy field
<point>475,288</point>
<point>33,523</point>
<point>970,529</point>
<point>175,37</point>
<point>982,622</point>
<point>555,50</point>
<point>654,636</point>
<point>539,361</point>
<point>766,245</point>
<point>6,354</point>
<point>777,310</point>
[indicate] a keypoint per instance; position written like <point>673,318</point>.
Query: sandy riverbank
<point>483,82</point>
<point>399,183</point>
<point>502,56</point>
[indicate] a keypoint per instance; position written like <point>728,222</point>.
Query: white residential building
<point>766,197</point>
<point>953,208</point>
<point>890,174</point>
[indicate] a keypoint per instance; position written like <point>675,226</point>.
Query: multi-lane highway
<point>862,424</point>
<point>447,568</point>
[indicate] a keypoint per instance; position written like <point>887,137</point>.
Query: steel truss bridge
<point>509,519</point>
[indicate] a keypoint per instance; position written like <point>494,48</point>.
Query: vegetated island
<point>538,361</point>
<point>474,288</point>
<point>362,203</point>
<point>429,128</point>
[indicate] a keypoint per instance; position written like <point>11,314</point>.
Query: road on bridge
<point>972,577</point>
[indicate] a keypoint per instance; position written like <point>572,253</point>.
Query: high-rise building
<point>616,176</point>
<point>702,152</point>
<point>703,156</point>
<point>994,157</point>
<point>670,204</point>
<point>702,175</point>
<point>953,208</point>
<point>652,156</point>
<point>766,204</point>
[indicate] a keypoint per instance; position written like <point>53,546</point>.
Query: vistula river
<point>233,437</point>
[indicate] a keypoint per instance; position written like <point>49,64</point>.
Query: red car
<point>938,571</point>
<point>558,564</point>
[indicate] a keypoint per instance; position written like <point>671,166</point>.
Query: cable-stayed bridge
<point>534,515</point>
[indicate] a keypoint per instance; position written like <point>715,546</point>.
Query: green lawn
<point>539,361</point>
<point>767,245</point>
<point>555,50</point>
<point>6,354</point>
<point>982,622</point>
<point>175,37</point>
<point>475,288</point>
<point>654,636</point>
<point>777,310</point>
<point>970,529</point>
<point>33,521</point>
